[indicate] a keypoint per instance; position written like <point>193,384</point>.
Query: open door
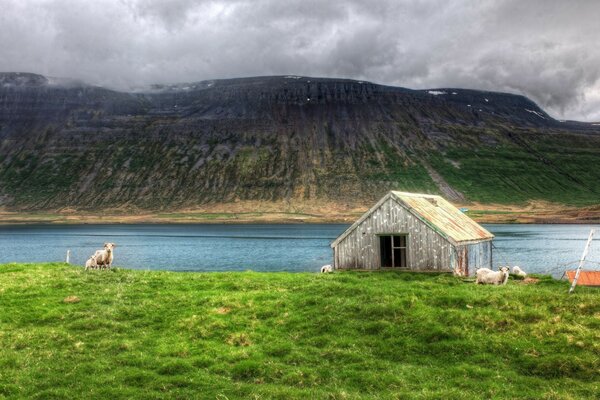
<point>392,249</point>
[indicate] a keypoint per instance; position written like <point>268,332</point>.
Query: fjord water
<point>263,247</point>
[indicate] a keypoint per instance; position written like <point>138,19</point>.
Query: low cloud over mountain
<point>545,50</point>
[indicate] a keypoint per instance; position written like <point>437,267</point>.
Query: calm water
<point>536,248</point>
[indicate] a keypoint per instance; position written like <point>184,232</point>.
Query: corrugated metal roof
<point>443,217</point>
<point>436,212</point>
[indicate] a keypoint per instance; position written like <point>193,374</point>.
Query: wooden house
<point>416,232</point>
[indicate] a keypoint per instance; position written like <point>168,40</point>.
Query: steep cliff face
<point>67,144</point>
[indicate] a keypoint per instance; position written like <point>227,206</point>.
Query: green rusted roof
<point>439,214</point>
<point>443,217</point>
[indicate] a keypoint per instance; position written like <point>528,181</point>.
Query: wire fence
<point>561,268</point>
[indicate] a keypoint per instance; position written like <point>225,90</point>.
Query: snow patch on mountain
<point>536,113</point>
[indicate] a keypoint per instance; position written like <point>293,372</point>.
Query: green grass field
<point>147,335</point>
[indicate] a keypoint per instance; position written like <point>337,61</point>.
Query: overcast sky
<point>547,50</point>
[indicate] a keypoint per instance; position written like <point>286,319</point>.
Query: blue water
<point>259,247</point>
<point>544,248</point>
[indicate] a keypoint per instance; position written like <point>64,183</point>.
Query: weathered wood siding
<point>427,249</point>
<point>480,256</point>
<point>469,257</point>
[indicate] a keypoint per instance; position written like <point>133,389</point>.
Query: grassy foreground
<point>140,334</point>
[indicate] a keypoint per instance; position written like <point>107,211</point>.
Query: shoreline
<point>481,214</point>
<point>261,222</point>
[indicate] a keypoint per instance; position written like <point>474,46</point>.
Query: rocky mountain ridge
<point>65,144</point>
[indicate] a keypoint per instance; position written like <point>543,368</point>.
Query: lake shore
<point>258,212</point>
<point>155,334</point>
<point>259,247</point>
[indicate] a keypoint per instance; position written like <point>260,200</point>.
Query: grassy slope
<point>493,164</point>
<point>138,334</point>
<point>553,168</point>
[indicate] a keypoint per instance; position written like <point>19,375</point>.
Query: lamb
<point>104,258</point>
<point>91,263</point>
<point>519,272</point>
<point>326,269</point>
<point>487,276</point>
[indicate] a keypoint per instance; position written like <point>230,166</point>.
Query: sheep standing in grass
<point>487,276</point>
<point>481,272</point>
<point>91,263</point>
<point>326,269</point>
<point>519,272</point>
<point>104,258</point>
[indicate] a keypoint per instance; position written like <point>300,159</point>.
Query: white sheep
<point>487,276</point>
<point>104,258</point>
<point>326,269</point>
<point>91,263</point>
<point>519,272</point>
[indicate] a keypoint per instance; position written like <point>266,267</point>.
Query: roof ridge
<point>440,215</point>
<point>410,194</point>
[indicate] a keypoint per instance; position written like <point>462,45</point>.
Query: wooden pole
<point>584,255</point>
<point>68,256</point>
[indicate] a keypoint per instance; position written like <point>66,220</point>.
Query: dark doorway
<point>393,251</point>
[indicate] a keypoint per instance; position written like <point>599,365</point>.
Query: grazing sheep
<point>481,272</point>
<point>487,276</point>
<point>104,258</point>
<point>326,269</point>
<point>519,272</point>
<point>484,270</point>
<point>91,263</point>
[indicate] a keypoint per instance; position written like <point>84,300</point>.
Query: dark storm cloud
<point>544,49</point>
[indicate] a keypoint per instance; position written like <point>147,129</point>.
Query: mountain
<point>66,144</point>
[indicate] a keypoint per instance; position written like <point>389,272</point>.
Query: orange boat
<point>586,278</point>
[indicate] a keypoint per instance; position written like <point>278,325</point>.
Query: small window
<point>393,251</point>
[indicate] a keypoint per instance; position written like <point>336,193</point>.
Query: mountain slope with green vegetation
<point>288,141</point>
<point>67,333</point>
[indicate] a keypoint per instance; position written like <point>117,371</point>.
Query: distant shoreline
<point>533,213</point>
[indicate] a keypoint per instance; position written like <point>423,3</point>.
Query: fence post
<point>581,261</point>
<point>68,256</point>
